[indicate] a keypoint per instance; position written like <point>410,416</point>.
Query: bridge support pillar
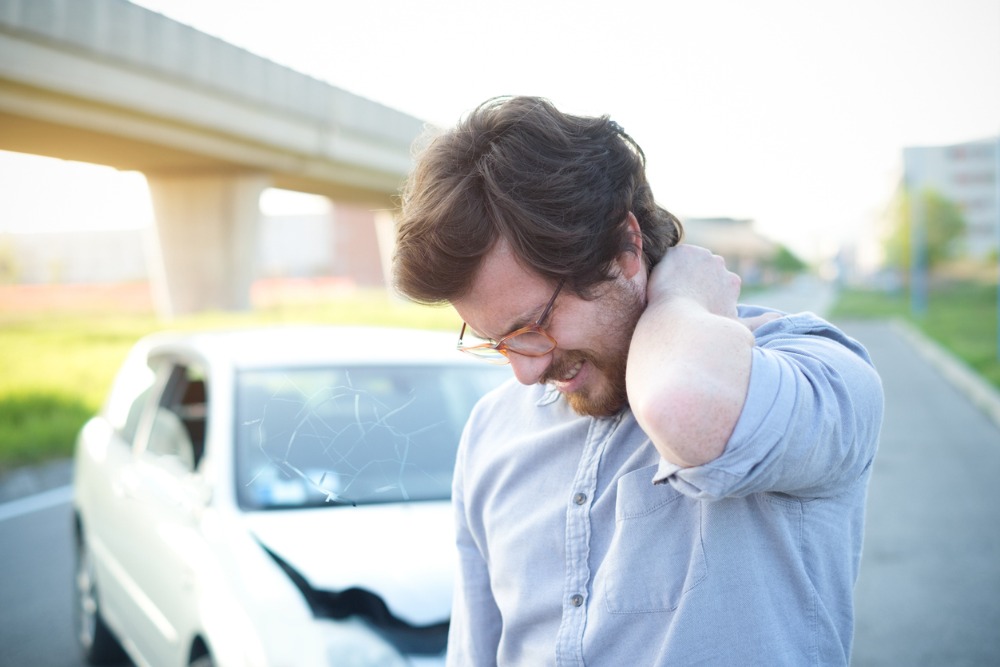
<point>206,240</point>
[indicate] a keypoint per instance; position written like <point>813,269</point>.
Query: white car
<point>273,497</point>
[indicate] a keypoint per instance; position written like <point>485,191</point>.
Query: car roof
<point>299,345</point>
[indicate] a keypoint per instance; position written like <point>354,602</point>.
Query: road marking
<point>39,501</point>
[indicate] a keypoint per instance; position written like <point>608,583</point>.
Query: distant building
<point>338,244</point>
<point>967,175</point>
<point>747,252</point>
<point>99,256</point>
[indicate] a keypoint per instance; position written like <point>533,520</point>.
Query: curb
<point>980,392</point>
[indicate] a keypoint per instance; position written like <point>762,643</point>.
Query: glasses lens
<point>531,343</point>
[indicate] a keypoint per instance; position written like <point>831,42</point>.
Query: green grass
<point>961,316</point>
<point>56,368</point>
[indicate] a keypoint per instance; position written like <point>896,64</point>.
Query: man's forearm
<point>688,373</point>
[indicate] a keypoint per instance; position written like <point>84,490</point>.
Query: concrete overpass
<point>210,125</point>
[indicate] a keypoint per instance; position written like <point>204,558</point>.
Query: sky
<point>791,113</point>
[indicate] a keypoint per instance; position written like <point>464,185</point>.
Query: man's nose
<point>529,370</point>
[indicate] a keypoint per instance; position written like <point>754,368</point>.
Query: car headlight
<point>352,644</point>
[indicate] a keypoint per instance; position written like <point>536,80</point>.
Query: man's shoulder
<point>792,330</point>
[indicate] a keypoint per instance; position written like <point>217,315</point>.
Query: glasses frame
<point>501,344</point>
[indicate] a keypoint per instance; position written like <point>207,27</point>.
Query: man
<point>675,480</point>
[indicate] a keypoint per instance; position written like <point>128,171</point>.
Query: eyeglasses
<point>530,341</point>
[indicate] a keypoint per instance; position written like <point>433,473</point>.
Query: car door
<point>101,486</point>
<point>165,496</point>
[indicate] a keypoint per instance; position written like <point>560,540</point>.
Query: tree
<point>943,224</point>
<point>787,262</point>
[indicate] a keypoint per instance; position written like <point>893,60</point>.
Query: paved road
<point>929,592</point>
<point>36,580</point>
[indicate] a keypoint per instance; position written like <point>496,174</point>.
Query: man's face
<point>588,364</point>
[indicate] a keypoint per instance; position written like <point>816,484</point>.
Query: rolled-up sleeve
<point>810,421</point>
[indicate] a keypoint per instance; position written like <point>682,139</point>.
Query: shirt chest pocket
<point>656,554</point>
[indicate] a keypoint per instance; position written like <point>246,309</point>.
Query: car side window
<point>178,426</point>
<point>167,438</point>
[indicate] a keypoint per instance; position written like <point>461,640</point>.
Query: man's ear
<point>630,260</point>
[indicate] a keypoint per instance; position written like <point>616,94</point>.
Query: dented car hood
<point>402,552</point>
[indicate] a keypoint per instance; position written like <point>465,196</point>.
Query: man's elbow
<point>688,427</point>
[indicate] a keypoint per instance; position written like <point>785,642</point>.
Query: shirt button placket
<point>579,499</point>
<point>569,639</point>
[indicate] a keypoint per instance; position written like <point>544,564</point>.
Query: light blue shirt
<point>579,545</point>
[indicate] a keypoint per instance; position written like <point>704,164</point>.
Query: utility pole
<point>918,255</point>
<point>912,179</point>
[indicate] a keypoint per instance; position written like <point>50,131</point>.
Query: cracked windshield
<point>351,436</point>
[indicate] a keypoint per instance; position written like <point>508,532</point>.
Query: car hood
<point>402,552</point>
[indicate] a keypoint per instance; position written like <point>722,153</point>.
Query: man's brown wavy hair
<point>558,188</point>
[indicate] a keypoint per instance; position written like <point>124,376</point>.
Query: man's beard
<point>622,305</point>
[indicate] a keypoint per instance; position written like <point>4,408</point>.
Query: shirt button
<point>577,600</point>
<point>580,498</point>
